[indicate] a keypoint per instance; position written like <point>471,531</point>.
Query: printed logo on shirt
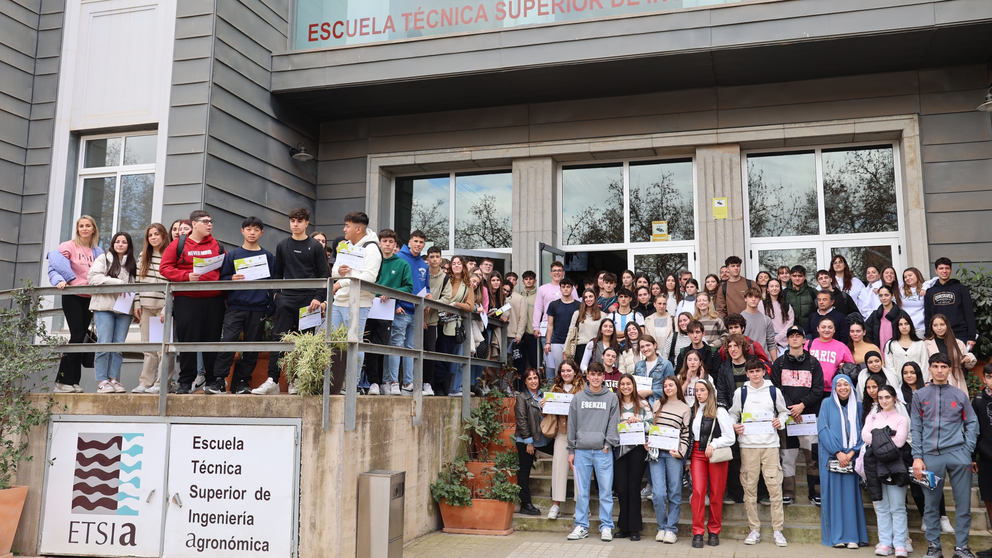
<point>200,252</point>
<point>797,378</point>
<point>298,251</point>
<point>944,298</point>
<point>392,272</point>
<point>84,257</point>
<point>594,405</point>
<point>824,356</point>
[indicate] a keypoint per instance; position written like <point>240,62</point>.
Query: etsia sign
<point>105,488</point>
<point>230,491</point>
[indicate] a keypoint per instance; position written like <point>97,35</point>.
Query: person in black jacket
<point>530,440</point>
<point>887,309</point>
<point>711,358</point>
<point>949,297</point>
<point>843,302</point>
<point>825,310</point>
<point>983,449</point>
<point>799,376</point>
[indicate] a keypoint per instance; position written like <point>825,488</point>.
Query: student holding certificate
<point>567,380</point>
<point>712,428</point>
<point>629,466</point>
<point>672,414</point>
<point>530,440</point>
<point>111,312</point>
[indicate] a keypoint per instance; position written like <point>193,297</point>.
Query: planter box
<point>11,504</point>
<point>483,517</point>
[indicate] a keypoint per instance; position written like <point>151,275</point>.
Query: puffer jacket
<point>885,463</point>
<point>873,324</point>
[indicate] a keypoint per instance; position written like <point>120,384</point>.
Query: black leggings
<point>526,464</point>
<point>78,318</point>
<point>627,474</point>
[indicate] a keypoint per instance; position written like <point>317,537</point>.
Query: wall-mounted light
<point>300,153</point>
<point>987,105</point>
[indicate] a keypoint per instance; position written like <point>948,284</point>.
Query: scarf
<point>850,434</point>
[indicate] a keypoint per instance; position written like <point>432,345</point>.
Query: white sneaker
<point>407,389</point>
<point>292,388</point>
<point>76,388</point>
<point>198,383</point>
<point>923,527</point>
<point>578,533</point>
<point>945,525</point>
<point>428,390</point>
<point>455,394</point>
<point>671,537</point>
<point>270,387</point>
<point>779,538</point>
<point>394,388</point>
<point>105,387</point>
<point>908,545</point>
<point>753,538</point>
<point>64,388</point>
<point>606,534</point>
<point>553,512</point>
<point>373,389</point>
<point>153,389</point>
<point>646,492</point>
<point>661,536</point>
<point>140,389</point>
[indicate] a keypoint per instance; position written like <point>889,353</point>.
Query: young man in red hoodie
<point>199,314</point>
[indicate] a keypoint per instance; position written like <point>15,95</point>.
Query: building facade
<point>618,134</point>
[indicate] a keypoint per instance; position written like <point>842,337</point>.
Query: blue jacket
<point>942,420</point>
<point>254,301</point>
<point>59,268</point>
<point>657,374</point>
<point>421,277</point>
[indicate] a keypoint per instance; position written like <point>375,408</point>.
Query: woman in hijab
<point>842,515</point>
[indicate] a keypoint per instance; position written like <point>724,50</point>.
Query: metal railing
<point>354,339</point>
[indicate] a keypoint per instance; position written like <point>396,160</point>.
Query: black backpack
<point>181,247</point>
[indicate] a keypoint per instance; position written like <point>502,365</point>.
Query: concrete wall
<point>30,48</point>
<point>331,461</point>
<point>956,152</point>
<point>229,139</point>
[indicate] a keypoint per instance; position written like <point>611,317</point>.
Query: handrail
<point>354,336</point>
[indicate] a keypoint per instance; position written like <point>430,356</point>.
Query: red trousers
<point>715,476</point>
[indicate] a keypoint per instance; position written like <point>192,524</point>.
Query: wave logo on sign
<point>107,475</point>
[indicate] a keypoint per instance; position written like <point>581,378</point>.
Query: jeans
<point>339,315</point>
<point>456,369</point>
<point>111,327</point>
<point>891,514</point>
<point>602,462</point>
<point>666,490</point>
<point>401,335</point>
<point>445,373</point>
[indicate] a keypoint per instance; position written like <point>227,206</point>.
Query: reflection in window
<point>139,150</point>
<point>483,211</point>
<point>592,205</point>
<point>771,260</point>
<point>422,203</point>
<point>105,152</point>
<point>861,257</point>
<point>99,199</point>
<point>659,266</point>
<point>782,198</point>
<point>136,214</point>
<point>661,192</point>
<point>859,191</point>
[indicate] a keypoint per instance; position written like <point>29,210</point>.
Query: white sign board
<point>105,488</point>
<point>230,491</point>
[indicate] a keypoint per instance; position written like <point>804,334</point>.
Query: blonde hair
<point>94,240</point>
<point>710,311</point>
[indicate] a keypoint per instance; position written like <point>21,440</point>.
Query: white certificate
<point>762,427</point>
<point>805,428</point>
<point>123,303</point>
<point>557,403</point>
<point>383,310</point>
<point>664,438</point>
<point>204,265</point>
<point>544,328</point>
<point>644,383</point>
<point>501,310</point>
<point>156,329</point>
<point>485,320</point>
<point>351,256</point>
<point>422,293</point>
<point>631,434</point>
<point>309,319</point>
<point>253,268</point>
<point>762,416</point>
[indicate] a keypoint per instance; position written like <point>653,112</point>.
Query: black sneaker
<point>787,501</point>
<point>963,552</point>
<point>984,553</point>
<point>218,386</point>
<point>242,389</point>
<point>183,389</point>
<point>815,500</point>
<point>765,501</point>
<point>934,551</point>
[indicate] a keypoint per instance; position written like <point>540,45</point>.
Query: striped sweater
<point>675,414</point>
<point>714,331</point>
<point>151,299</point>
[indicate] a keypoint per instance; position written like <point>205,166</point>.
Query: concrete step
<point>738,530</point>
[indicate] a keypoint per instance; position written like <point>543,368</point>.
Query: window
<point>480,217</point>
<point>117,179</point>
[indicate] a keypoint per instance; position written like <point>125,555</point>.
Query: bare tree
<point>859,192</point>
<point>432,221</point>
<point>485,228</point>
<point>779,209</point>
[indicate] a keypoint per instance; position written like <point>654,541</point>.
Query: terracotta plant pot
<point>507,415</point>
<point>11,504</point>
<point>508,436</point>
<point>480,478</point>
<point>483,517</point>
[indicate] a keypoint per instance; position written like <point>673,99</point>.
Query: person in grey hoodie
<point>944,430</point>
<point>592,434</point>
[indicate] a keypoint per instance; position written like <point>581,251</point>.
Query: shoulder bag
<point>549,426</point>
<point>573,338</point>
<point>719,454</point>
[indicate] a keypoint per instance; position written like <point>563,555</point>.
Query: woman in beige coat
<point>111,312</point>
<point>567,380</point>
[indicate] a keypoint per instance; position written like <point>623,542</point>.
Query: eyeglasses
<point>206,221</point>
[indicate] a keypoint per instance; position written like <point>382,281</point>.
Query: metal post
<point>163,368</point>
<point>326,420</point>
<point>467,370</point>
<point>354,337</point>
<point>418,362</point>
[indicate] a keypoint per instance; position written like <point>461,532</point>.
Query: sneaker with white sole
<point>554,511</point>
<point>394,388</point>
<point>901,552</point>
<point>779,538</point>
<point>105,387</point>
<point>945,525</point>
<point>270,387</point>
<point>76,388</point>
<point>292,388</point>
<point>64,388</point>
<point>118,388</point>
<point>753,538</point>
<point>140,389</point>
<point>578,533</point>
<point>908,545</point>
<point>198,383</point>
<point>646,492</point>
<point>883,550</point>
<point>661,536</point>
<point>428,390</point>
<point>373,389</point>
<point>606,534</point>
<point>455,394</point>
<point>407,389</point>
<point>153,389</point>
<point>671,537</point>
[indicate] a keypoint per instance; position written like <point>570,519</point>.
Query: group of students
<point>739,353</point>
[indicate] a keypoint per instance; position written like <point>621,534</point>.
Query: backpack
<point>181,247</point>
<point>748,281</point>
<point>772,389</point>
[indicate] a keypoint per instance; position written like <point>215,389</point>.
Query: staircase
<point>802,519</point>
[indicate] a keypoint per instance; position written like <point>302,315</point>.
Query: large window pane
<point>659,266</point>
<point>592,205</point>
<point>661,192</point>
<point>98,202</point>
<point>860,257</point>
<point>139,150</point>
<point>782,198</point>
<point>136,211</point>
<point>771,260</point>
<point>483,211</point>
<point>102,153</point>
<point>859,191</point>
<point>422,203</point>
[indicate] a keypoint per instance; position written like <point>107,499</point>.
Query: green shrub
<point>306,363</point>
<point>979,283</point>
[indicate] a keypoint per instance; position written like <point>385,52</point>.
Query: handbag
<point>460,333</point>
<point>572,339</point>
<point>719,454</point>
<point>833,466</point>
<point>87,359</point>
<point>482,349</point>
<point>549,426</point>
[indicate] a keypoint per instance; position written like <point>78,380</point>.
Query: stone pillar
<point>718,175</point>
<point>917,241</point>
<point>534,210</point>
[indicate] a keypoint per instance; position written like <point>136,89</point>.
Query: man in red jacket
<point>199,314</point>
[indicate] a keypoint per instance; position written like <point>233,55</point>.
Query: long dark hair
<point>683,374</point>
<point>907,390</point>
<point>678,288</point>
<point>635,398</point>
<point>894,286</point>
<point>866,403</point>
<point>129,266</point>
<point>496,298</point>
<point>783,306</point>
<point>904,315</point>
<point>613,338</point>
<point>848,276</point>
<point>148,251</point>
<point>950,341</point>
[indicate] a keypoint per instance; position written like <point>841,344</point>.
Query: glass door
<point>662,261</point>
<point>880,253</point>
<point>814,255</point>
<point>547,255</point>
<point>772,255</point>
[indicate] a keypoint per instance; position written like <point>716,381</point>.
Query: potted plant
<point>21,367</point>
<point>484,508</point>
<point>311,356</point>
<point>979,284</point>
